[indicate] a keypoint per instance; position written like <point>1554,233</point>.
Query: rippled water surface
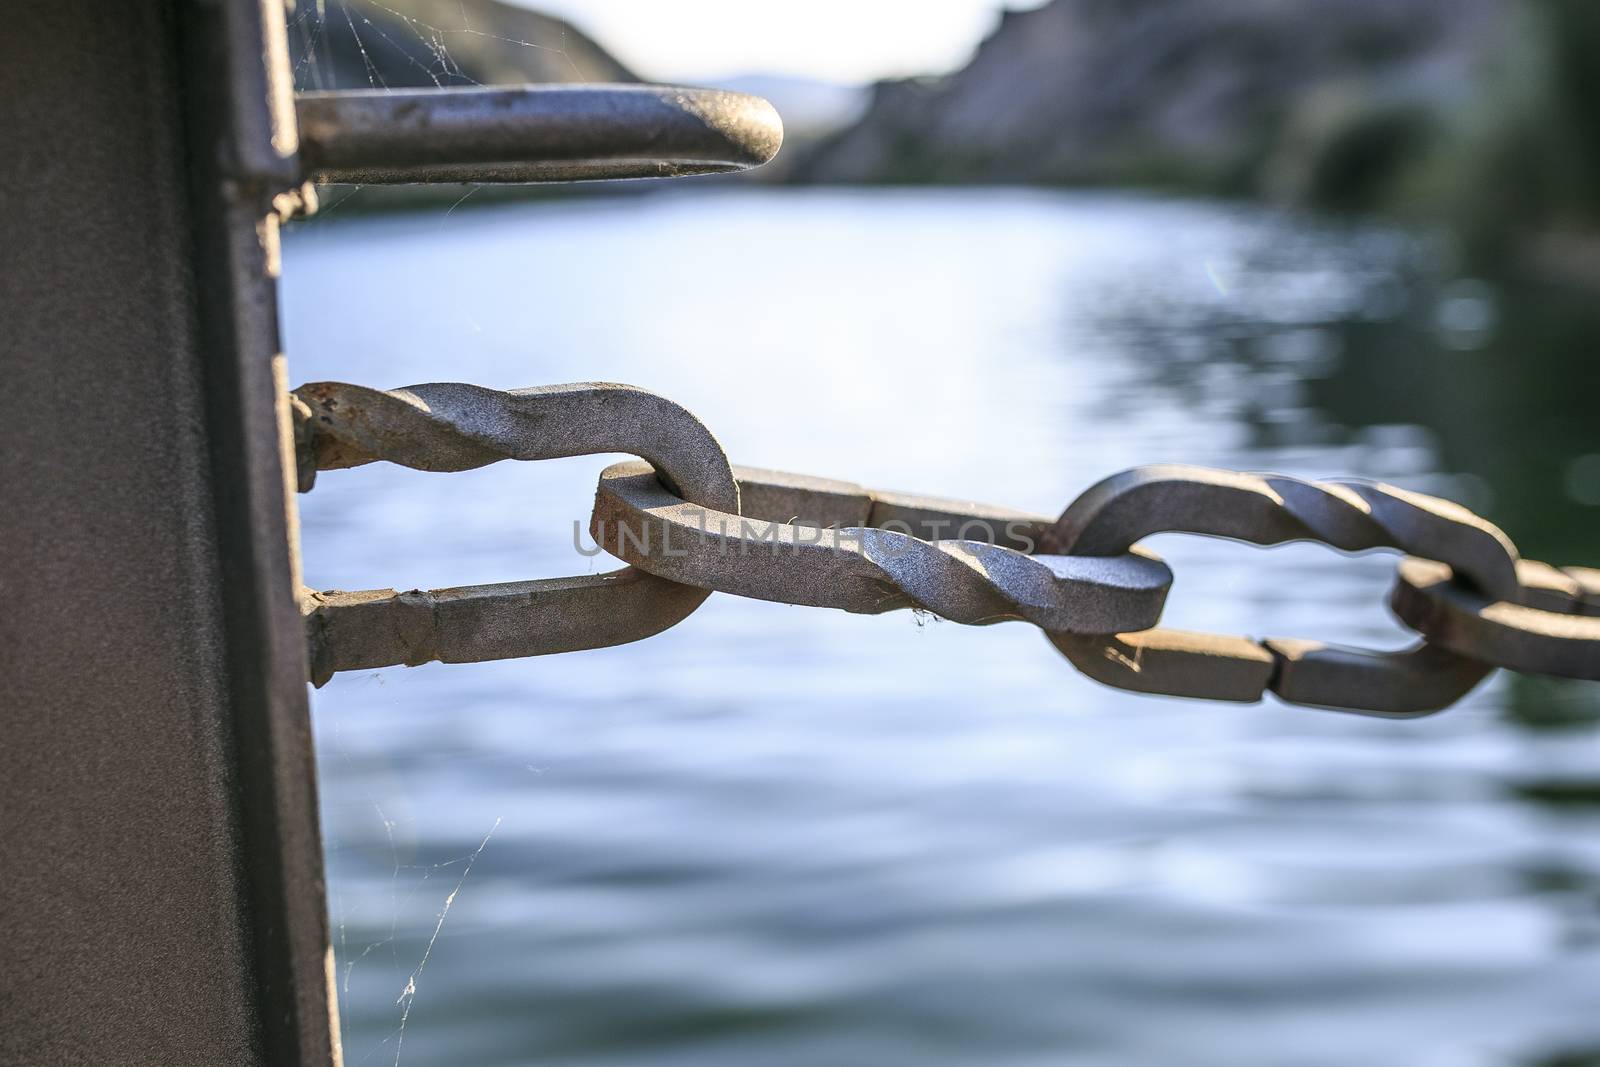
<point>779,835</point>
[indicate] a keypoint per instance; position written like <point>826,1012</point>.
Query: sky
<point>834,40</point>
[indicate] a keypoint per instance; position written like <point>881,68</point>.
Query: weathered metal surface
<point>1271,509</point>
<point>506,620</point>
<point>834,552</point>
<point>1172,663</point>
<point>1505,633</point>
<point>548,133</point>
<point>798,539</point>
<point>238,95</point>
<point>162,894</point>
<point>1406,684</point>
<point>452,427</point>
<point>1588,579</point>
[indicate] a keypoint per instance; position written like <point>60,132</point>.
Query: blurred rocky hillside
<point>1483,112</point>
<point>359,44</point>
<point>1220,93</point>
<point>1486,110</point>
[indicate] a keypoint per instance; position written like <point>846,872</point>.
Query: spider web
<point>409,881</point>
<point>373,44</point>
<point>396,48</point>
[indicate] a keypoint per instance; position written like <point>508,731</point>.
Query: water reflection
<point>790,836</point>
<point>1363,341</point>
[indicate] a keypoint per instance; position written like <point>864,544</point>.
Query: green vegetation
<point>1517,160</point>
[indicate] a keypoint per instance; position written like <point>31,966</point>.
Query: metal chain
<point>454,427</point>
<point>1267,510</point>
<point>689,523</point>
<point>832,544</point>
<point>1549,628</point>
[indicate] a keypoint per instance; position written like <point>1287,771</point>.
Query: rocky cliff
<point>1250,96</point>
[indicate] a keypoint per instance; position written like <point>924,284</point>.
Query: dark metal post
<point>161,894</point>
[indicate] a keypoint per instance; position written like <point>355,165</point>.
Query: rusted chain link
<point>688,527</point>
<point>1560,636</point>
<point>1266,510</point>
<point>453,427</point>
<point>832,544</point>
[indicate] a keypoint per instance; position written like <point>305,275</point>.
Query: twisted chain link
<point>454,427</point>
<point>688,523</point>
<point>834,545</point>
<point>1268,510</point>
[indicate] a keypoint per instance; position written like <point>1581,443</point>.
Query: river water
<point>791,836</point>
